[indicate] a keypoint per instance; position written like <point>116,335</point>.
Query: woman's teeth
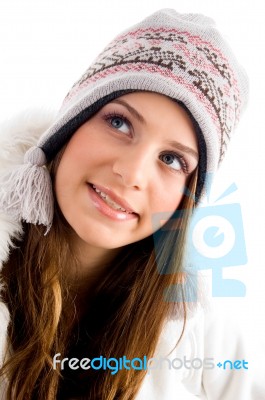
<point>109,201</point>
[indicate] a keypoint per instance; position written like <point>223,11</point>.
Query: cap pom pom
<point>27,191</point>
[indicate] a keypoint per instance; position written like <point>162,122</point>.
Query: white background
<point>47,45</point>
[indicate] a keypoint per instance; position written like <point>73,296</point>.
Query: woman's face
<point>129,162</point>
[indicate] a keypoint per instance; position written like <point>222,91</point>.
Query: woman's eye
<point>173,161</point>
<point>120,124</point>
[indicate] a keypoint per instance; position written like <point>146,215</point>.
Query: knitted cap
<point>181,56</point>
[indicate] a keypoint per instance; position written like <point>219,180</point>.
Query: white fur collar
<point>17,135</point>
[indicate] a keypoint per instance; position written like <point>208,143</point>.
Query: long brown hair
<point>125,313</point>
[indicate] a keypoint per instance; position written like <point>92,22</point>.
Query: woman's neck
<point>90,267</point>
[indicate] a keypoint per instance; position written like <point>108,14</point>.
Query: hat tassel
<point>27,192</point>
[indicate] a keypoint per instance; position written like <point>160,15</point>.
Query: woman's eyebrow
<point>177,145</point>
<point>185,149</point>
<point>132,110</point>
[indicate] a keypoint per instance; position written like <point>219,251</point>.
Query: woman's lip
<point>107,210</point>
<point>114,197</point>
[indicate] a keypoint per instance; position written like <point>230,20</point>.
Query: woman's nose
<point>134,168</point>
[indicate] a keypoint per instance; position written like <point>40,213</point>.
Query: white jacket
<point>189,371</point>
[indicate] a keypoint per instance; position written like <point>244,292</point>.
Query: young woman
<point>95,206</point>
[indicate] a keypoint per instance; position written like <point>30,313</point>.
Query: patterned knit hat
<point>181,56</point>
